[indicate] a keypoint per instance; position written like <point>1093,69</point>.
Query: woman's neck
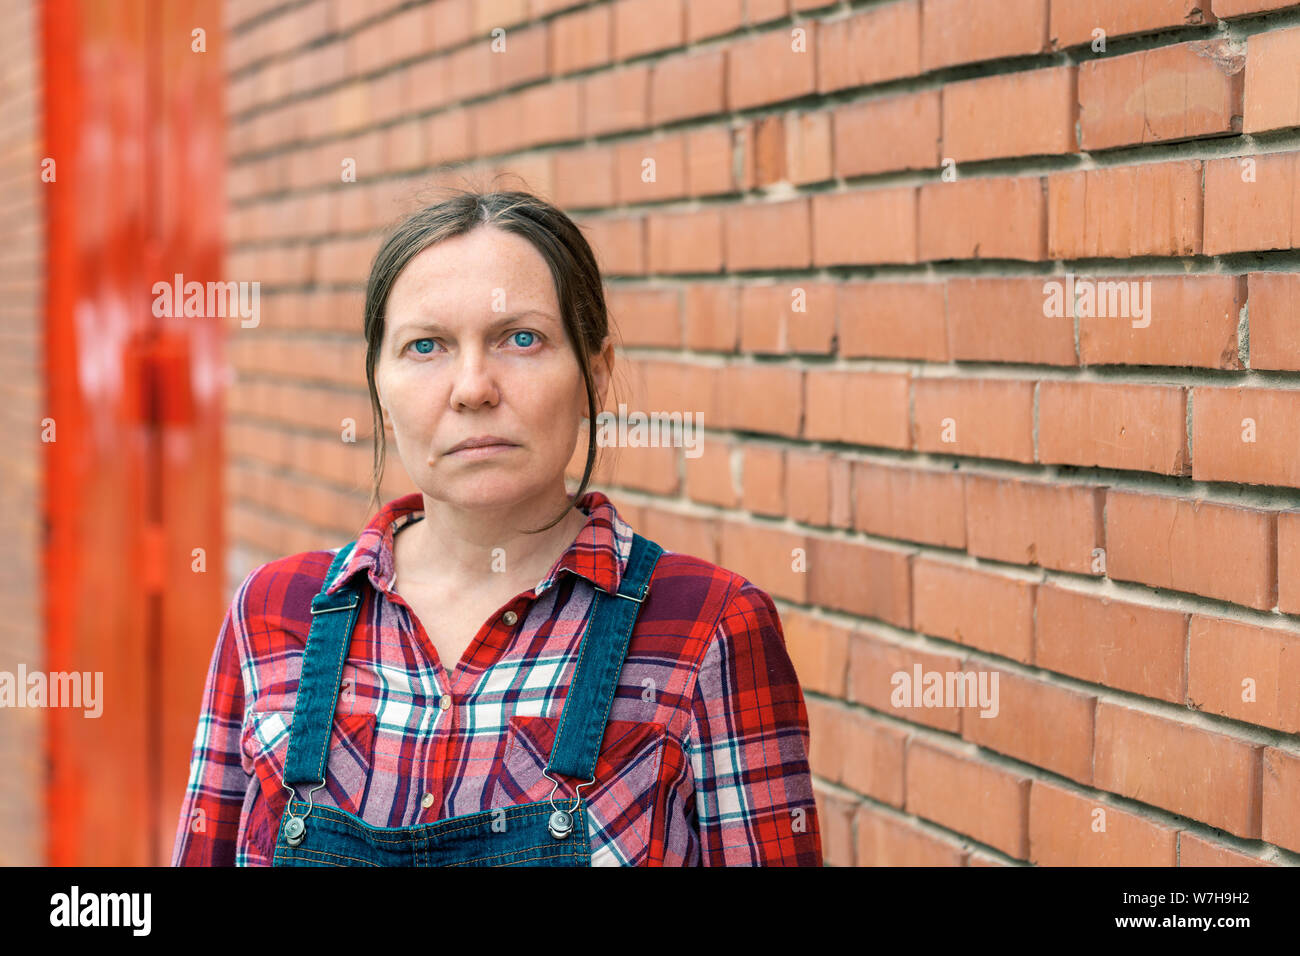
<point>446,555</point>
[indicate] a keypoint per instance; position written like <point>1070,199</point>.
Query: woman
<point>496,672</point>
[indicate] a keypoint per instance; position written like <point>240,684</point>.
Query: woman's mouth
<point>481,446</point>
<point>482,451</point>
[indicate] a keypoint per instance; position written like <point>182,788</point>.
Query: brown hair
<point>573,268</point>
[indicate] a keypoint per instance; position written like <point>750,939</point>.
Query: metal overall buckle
<point>561,821</point>
<point>295,828</point>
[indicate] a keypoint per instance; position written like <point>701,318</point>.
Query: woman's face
<point>474,345</point>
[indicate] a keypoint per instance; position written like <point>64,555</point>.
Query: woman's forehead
<point>492,275</point>
<point>485,252</point>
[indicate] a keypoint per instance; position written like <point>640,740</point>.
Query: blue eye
<point>420,342</point>
<point>525,344</point>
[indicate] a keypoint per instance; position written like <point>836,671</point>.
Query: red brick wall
<point>22,257</point>
<point>1072,502</point>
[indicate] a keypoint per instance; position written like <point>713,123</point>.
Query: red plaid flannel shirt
<point>704,761</point>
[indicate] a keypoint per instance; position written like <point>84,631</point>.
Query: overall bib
<point>529,834</point>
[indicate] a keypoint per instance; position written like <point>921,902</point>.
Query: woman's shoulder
<point>284,587</point>
<point>695,587</point>
<point>719,614</point>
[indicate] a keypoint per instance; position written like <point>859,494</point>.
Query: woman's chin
<point>482,490</point>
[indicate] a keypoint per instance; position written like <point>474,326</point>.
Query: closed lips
<point>480,442</point>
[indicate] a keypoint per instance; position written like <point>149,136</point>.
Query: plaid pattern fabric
<point>704,760</point>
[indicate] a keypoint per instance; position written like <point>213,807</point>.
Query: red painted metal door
<point>133,567</point>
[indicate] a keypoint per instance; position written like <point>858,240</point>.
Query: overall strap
<point>600,659</point>
<point>332,619</point>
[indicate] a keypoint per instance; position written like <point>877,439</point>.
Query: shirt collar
<point>599,553</point>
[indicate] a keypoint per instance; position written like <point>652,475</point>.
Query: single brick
<point>770,67</point>
<point>1281,797</point>
<point>1116,643</point>
<point>1138,427</point>
<point>1007,320</point>
<point>1073,21</point>
<point>1246,434</point>
<point>1166,763</point>
<point>864,226</point>
<point>1273,81</point>
<point>889,841</point>
<point>979,417</point>
<point>873,758</point>
<point>768,235</point>
<point>857,578</point>
<point>1075,829</point>
<point>1225,659</point>
<point>684,242</point>
<point>686,85</point>
<point>1274,302</point>
<point>709,476</point>
<point>1246,8</point>
<point>763,480</point>
<point>1251,203</point>
<point>1033,522</point>
<point>1196,851</point>
<point>910,504</point>
<point>836,400</point>
<point>874,666</point>
<point>764,398</point>
<point>983,219</point>
<point>871,46</point>
<point>985,118</point>
<point>969,796</point>
<point>1148,210</point>
<point>1160,320</point>
<point>1194,545</point>
<point>944,593</point>
<point>951,35</point>
<point>891,320</point>
<point>1288,562</point>
<point>1170,93</point>
<point>1034,721</point>
<point>893,133</point>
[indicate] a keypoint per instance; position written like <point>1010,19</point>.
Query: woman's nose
<point>475,381</point>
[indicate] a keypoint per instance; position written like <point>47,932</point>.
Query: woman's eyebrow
<point>429,325</point>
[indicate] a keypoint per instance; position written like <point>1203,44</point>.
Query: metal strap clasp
<point>341,607</point>
<point>295,828</point>
<point>629,597</point>
<point>561,821</point>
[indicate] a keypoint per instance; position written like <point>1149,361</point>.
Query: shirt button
<point>510,617</point>
<point>444,702</point>
<point>427,801</point>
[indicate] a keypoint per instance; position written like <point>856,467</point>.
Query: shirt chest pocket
<point>622,804</point>
<point>265,743</point>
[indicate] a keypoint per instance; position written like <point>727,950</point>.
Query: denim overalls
<point>529,834</point>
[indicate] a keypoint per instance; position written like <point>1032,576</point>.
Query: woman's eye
<point>523,339</point>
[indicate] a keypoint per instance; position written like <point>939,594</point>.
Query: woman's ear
<point>602,369</point>
<point>383,408</point>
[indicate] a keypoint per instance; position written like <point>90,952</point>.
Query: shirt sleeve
<point>218,783</point>
<point>748,744</point>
